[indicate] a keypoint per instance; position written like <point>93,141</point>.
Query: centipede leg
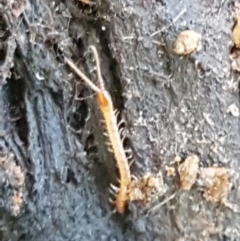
<point>120,123</point>
<point>107,143</point>
<point>116,113</point>
<point>111,201</point>
<point>121,131</point>
<point>114,188</point>
<point>110,149</point>
<point>102,122</point>
<point>134,177</point>
<point>112,192</point>
<point>114,211</point>
<point>129,156</point>
<point>131,163</point>
<point>105,134</point>
<point>123,139</point>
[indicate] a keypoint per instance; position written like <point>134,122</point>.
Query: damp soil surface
<point>55,168</point>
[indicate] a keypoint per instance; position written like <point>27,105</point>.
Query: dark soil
<point>55,169</point>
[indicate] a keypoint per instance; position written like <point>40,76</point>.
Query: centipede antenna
<point>99,74</point>
<point>82,75</point>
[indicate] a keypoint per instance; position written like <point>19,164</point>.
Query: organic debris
<point>177,159</point>
<point>187,42</point>
<point>171,172</point>
<point>13,176</point>
<point>188,171</point>
<point>146,188</point>
<point>215,181</point>
<point>17,201</point>
<point>18,7</point>
<point>235,59</point>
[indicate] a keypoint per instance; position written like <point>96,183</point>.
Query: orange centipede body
<point>106,107</point>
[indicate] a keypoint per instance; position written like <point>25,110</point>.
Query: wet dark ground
<point>172,106</point>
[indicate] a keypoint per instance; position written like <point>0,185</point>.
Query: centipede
<point>108,112</point>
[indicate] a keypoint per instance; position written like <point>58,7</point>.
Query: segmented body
<point>106,107</point>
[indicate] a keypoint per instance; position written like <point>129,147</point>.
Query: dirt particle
<point>215,181</point>
<point>146,188</point>
<point>187,42</point>
<point>233,110</point>
<point>188,171</point>
<point>17,201</point>
<point>176,159</point>
<point>14,177</point>
<point>235,59</point>
<point>18,7</point>
<point>171,172</point>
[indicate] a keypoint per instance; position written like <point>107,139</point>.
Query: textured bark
<point>55,169</point>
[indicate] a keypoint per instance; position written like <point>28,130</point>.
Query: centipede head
<point>103,99</point>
